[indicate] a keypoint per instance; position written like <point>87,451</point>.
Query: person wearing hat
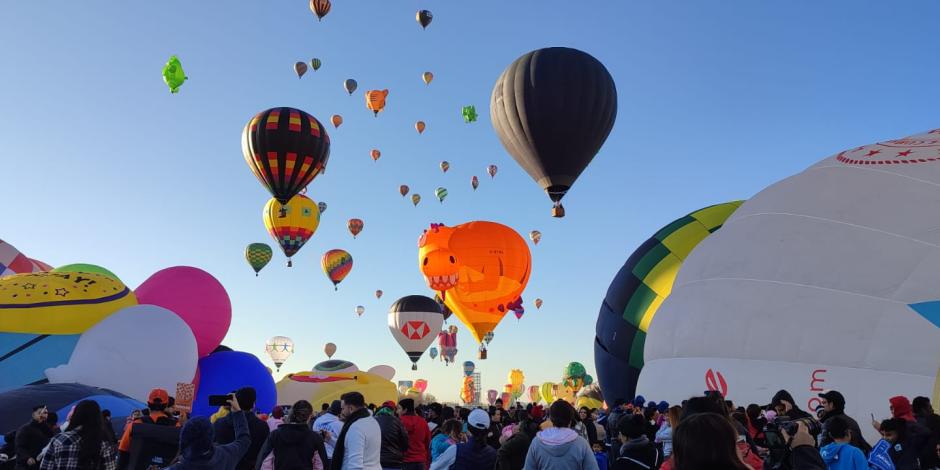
<point>394,437</point>
<point>473,454</point>
<point>559,447</point>
<point>329,426</point>
<point>197,450</point>
<point>157,402</point>
<point>833,406</point>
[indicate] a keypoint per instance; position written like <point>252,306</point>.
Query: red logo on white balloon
<point>415,329</point>
<point>715,382</point>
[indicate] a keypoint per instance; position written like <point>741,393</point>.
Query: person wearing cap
<point>157,402</point>
<point>419,436</point>
<point>224,428</point>
<point>473,454</point>
<point>329,426</point>
<point>833,406</point>
<point>559,447</point>
<point>394,437</point>
<point>197,451</point>
<point>31,438</point>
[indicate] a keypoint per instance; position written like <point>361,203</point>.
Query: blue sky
<point>718,99</point>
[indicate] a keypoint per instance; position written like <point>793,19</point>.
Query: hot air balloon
<point>468,368</point>
<point>488,337</point>
<point>469,114</point>
<point>548,392</point>
<point>375,153</point>
<point>350,85</point>
<point>329,349</point>
<point>518,312</point>
<point>315,64</point>
<point>552,110</point>
<point>421,385</point>
<point>360,310</point>
<point>491,396</point>
<point>424,18</point>
<point>441,193</point>
<point>286,149</point>
<point>445,165</point>
<point>468,390</point>
<point>474,182</point>
<point>375,100</point>
<point>419,126</point>
<point>322,206</point>
<point>173,74</point>
<point>479,268</point>
<point>258,256</point>
<point>279,349</point>
<point>320,8</point>
<point>300,68</point>
<point>447,342</point>
<point>378,294</point>
<point>538,303</point>
<point>291,225</point>
<point>336,264</point>
<point>415,199</point>
<point>516,377</point>
<point>413,321</point>
<point>427,77</point>
<point>355,226</point>
<point>534,393</point>
<point>432,352</point>
<point>535,236</point>
<point>337,120</point>
<point>403,189</point>
<point>491,170</point>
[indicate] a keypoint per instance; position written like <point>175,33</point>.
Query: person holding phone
<point>197,450</point>
<point>32,438</point>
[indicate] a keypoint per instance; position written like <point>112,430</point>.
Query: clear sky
<point>718,99</point>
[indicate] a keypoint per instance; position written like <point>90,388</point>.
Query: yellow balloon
<point>291,224</point>
<point>548,392</point>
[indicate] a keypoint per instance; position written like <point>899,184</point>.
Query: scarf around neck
<point>340,449</point>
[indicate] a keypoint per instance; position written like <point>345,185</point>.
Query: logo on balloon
<point>415,329</point>
<point>715,382</point>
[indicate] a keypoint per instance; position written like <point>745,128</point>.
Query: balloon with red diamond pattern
<point>414,322</point>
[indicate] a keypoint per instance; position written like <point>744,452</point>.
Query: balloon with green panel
<point>638,290</point>
<point>258,256</point>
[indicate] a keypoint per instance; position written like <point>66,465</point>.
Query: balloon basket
<point>558,211</point>
<point>414,367</point>
<point>290,264</point>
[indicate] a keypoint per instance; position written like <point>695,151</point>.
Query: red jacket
<point>419,438</point>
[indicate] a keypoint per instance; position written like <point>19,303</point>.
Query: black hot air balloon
<point>285,148</point>
<point>424,18</point>
<point>552,110</point>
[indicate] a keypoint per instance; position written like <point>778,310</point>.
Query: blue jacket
<point>843,457</point>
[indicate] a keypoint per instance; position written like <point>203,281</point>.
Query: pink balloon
<point>197,297</point>
<point>421,385</point>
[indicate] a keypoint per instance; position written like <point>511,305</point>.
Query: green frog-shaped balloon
<point>173,74</point>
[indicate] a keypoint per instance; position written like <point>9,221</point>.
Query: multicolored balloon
<point>491,170</point>
<point>322,206</point>
<point>413,321</point>
<point>337,120</point>
<point>360,310</point>
<point>535,236</point>
<point>300,68</point>
<point>445,165</point>
<point>375,154</point>
<point>447,342</point>
<point>441,193</point>
<point>534,393</point>
<point>474,182</point>
<point>538,303</point>
<point>488,337</point>
<point>468,368</point>
<point>350,86</point>
<point>320,8</point>
<point>355,226</point>
<point>403,189</point>
<point>375,100</point>
<point>491,396</point>
<point>336,265</point>
<point>469,114</point>
<point>286,149</point>
<point>315,64</point>
<point>279,349</point>
<point>427,77</point>
<point>424,18</point>
<point>415,199</point>
<point>292,224</point>
<point>420,126</point>
<point>173,74</point>
<point>258,256</point>
<point>378,294</point>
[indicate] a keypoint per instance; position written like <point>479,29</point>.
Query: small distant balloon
<point>320,8</point>
<point>375,153</point>
<point>491,170</point>
<point>475,182</point>
<point>350,85</point>
<point>355,226</point>
<point>415,199</point>
<point>424,18</point>
<point>535,236</point>
<point>375,100</point>
<point>419,126</point>
<point>322,206</point>
<point>337,120</point>
<point>441,193</point>
<point>469,114</point>
<point>403,189</point>
<point>279,349</point>
<point>258,256</point>
<point>315,64</point>
<point>360,310</point>
<point>173,74</point>
<point>300,68</point>
<point>336,265</point>
<point>427,77</point>
<point>488,337</point>
<point>538,303</point>
<point>378,294</point>
<point>445,166</point>
<point>329,349</point>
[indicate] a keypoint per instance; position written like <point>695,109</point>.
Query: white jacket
<point>363,446</point>
<point>329,422</point>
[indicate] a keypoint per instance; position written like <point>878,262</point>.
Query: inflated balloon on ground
<point>222,372</point>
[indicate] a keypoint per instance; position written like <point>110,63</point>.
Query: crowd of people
<point>702,433</point>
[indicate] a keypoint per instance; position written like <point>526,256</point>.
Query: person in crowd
<point>394,437</point>
<point>756,423</point>
<point>559,447</point>
<point>512,452</point>
<point>197,450</point>
<point>704,441</point>
<point>599,419</point>
<point>52,422</point>
<point>473,454</point>
<point>108,428</point>
<point>664,435</point>
<point>324,409</point>
<point>496,428</point>
<point>785,405</point>
<point>83,445</point>
<point>906,439</point>
<point>8,451</point>
<point>224,429</point>
<point>499,404</point>
<point>419,436</point>
<point>434,416</point>
<point>359,445</point>
<point>650,414</point>
<point>329,426</point>
<point>31,438</point>
<point>636,451</point>
<point>600,455</point>
<point>833,406</point>
<point>293,445</point>
<point>922,409</point>
<point>448,434</point>
<point>584,415</point>
<point>276,418</point>
<point>156,405</point>
<point>930,455</point>
<point>618,410</point>
<point>840,453</point>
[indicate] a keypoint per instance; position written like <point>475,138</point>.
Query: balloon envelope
<point>258,256</point>
<point>329,349</point>
<point>350,85</point>
<point>384,371</point>
<point>85,268</point>
<point>16,404</point>
<point>279,349</point>
<point>468,368</point>
<point>414,321</point>
<point>222,372</point>
<point>336,265</point>
<point>291,225</point>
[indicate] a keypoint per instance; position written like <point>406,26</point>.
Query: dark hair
<point>837,427</point>
<point>753,412</point>
<point>451,427</point>
<point>87,415</point>
<point>324,406</point>
<point>106,414</point>
<point>407,404</point>
<point>246,397</point>
<point>897,425</point>
<point>697,405</point>
<point>447,412</point>
<point>921,405</point>
<point>705,441</point>
<point>648,413</point>
<point>53,418</point>
<point>300,413</point>
<point>479,437</point>
<point>353,399</point>
<point>561,413</point>
<point>463,413</point>
<point>499,400</point>
<point>632,426</point>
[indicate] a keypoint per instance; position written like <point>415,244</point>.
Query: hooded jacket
<point>294,446</point>
<point>638,454</point>
<point>331,423</point>
<point>857,439</point>
<point>795,412</point>
<point>901,408</point>
<point>512,454</point>
<point>197,451</point>
<point>394,440</point>
<point>843,457</point>
<point>560,449</point>
<point>419,438</point>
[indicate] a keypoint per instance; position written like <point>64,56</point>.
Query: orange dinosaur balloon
<point>479,268</point>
